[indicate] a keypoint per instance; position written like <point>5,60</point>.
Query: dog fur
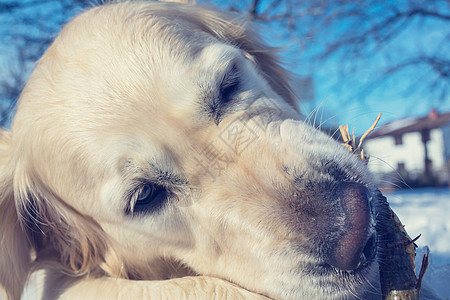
<point>186,102</point>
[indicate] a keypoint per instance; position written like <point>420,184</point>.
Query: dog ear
<point>38,228</point>
<point>60,235</point>
<point>15,250</point>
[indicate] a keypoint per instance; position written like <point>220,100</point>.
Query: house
<point>415,151</point>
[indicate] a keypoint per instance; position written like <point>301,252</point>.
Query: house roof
<point>431,121</point>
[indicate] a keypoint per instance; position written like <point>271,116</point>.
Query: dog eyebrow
<point>168,177</point>
<point>153,172</point>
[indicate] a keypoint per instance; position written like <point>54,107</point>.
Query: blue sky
<point>345,90</point>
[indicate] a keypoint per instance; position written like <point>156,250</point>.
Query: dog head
<point>153,133</point>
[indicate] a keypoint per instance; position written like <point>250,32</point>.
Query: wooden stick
<point>396,248</point>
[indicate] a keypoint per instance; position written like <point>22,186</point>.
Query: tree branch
<point>378,28</point>
<point>440,65</point>
<point>254,8</point>
<point>425,13</point>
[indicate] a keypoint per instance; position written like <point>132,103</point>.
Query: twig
<point>423,269</point>
<point>349,141</point>
<point>369,131</point>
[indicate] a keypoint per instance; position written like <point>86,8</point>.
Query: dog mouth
<point>331,282</point>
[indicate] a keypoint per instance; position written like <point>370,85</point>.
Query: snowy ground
<point>427,212</point>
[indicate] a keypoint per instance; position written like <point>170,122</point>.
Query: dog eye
<point>149,197</point>
<point>229,85</point>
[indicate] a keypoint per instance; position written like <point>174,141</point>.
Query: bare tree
<point>365,35</point>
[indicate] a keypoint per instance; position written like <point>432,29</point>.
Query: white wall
<point>385,155</point>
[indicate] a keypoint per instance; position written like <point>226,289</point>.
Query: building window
<point>425,135</point>
<point>398,139</point>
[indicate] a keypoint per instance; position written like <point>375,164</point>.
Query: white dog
<point>158,152</point>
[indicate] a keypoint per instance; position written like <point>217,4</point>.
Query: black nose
<point>356,243</point>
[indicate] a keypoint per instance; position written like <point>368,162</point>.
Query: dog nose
<point>355,245</point>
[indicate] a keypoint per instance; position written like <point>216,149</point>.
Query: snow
<point>426,212</point>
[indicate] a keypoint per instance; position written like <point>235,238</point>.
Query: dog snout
<point>357,243</point>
